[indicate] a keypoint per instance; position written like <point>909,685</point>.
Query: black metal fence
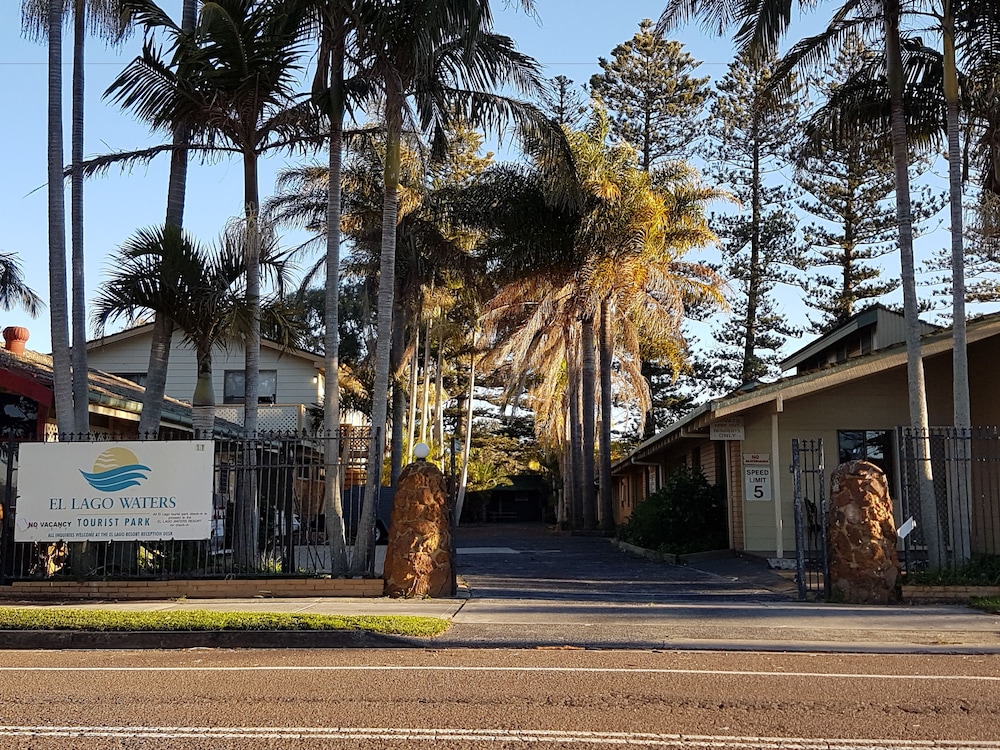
<point>280,475</point>
<point>950,487</point>
<point>810,506</point>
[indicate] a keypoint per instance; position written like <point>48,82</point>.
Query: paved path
<point>530,562</point>
<point>527,587</point>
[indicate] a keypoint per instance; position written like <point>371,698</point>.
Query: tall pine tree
<point>751,135</point>
<point>655,102</point>
<point>849,181</point>
<point>653,97</point>
<point>847,173</point>
<point>565,104</point>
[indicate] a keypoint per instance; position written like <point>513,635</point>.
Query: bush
<point>981,570</point>
<point>686,515</point>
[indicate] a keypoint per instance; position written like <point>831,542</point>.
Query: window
<point>874,446</point>
<point>234,387</point>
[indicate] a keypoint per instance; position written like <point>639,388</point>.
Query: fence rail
<point>950,485</point>
<point>282,475</point>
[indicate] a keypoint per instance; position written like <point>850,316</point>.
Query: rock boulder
<point>418,558</point>
<point>864,566</point>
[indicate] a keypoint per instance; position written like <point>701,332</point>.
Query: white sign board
<point>906,527</point>
<point>114,491</point>
<point>757,477</point>
<point>726,429</point>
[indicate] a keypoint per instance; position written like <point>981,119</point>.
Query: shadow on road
<point>533,561</point>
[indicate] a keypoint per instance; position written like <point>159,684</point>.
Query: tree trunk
<point>576,445</point>
<point>574,451</point>
<point>425,405</point>
<point>606,353</point>
<point>914,361</point>
<point>411,422</point>
<point>253,239</point>
<point>246,541</point>
<point>961,483</point>
<point>438,382</point>
<point>81,380</point>
<point>156,376</point>
<point>748,371</point>
<point>398,400</point>
<point>364,550</point>
<point>163,328</point>
<point>333,499</point>
<point>467,448</point>
<point>58,307</point>
<point>588,417</point>
<point>203,401</point>
<point>962,416</point>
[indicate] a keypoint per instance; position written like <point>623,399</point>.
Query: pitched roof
<point>876,315</point>
<point>147,329</point>
<point>937,342</point>
<point>105,390</point>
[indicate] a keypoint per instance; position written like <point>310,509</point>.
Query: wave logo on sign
<point>116,469</point>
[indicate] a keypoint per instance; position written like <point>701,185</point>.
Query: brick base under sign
<point>194,589</point>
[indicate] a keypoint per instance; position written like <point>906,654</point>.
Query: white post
<point>779,544</point>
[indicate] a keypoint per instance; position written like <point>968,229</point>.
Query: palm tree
<point>165,271</point>
<point>435,252</point>
<point>13,291</point>
<point>51,30</point>
<point>440,55</point>
<point>203,291</point>
<point>107,18</point>
<point>622,276</point>
<point>231,85</point>
<point>163,327</point>
<point>330,70</point>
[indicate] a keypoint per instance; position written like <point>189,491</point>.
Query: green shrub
<point>981,570</point>
<point>987,604</point>
<point>686,515</point>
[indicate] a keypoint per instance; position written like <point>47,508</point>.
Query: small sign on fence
<point>122,491</point>
<point>906,527</point>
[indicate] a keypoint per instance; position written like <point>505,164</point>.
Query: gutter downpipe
<point>637,462</point>
<point>779,545</point>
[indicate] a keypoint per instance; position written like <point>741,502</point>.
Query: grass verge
<point>22,618</point>
<point>989,604</point>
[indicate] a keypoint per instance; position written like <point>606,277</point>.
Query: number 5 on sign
<point>757,483</point>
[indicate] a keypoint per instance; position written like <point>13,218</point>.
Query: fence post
<point>7,512</point>
<point>821,511</point>
<point>800,536</point>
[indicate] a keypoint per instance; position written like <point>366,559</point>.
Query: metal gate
<point>811,560</point>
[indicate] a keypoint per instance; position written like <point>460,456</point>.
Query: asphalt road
<point>549,698</point>
<point>529,562</point>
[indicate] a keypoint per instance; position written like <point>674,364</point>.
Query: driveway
<point>532,562</point>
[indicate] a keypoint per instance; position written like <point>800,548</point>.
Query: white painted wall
<point>130,355</point>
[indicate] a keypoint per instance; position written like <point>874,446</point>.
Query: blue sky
<point>567,38</point>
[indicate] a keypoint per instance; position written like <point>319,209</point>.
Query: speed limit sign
<point>757,477</point>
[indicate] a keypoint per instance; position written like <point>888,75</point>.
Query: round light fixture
<point>421,451</point>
